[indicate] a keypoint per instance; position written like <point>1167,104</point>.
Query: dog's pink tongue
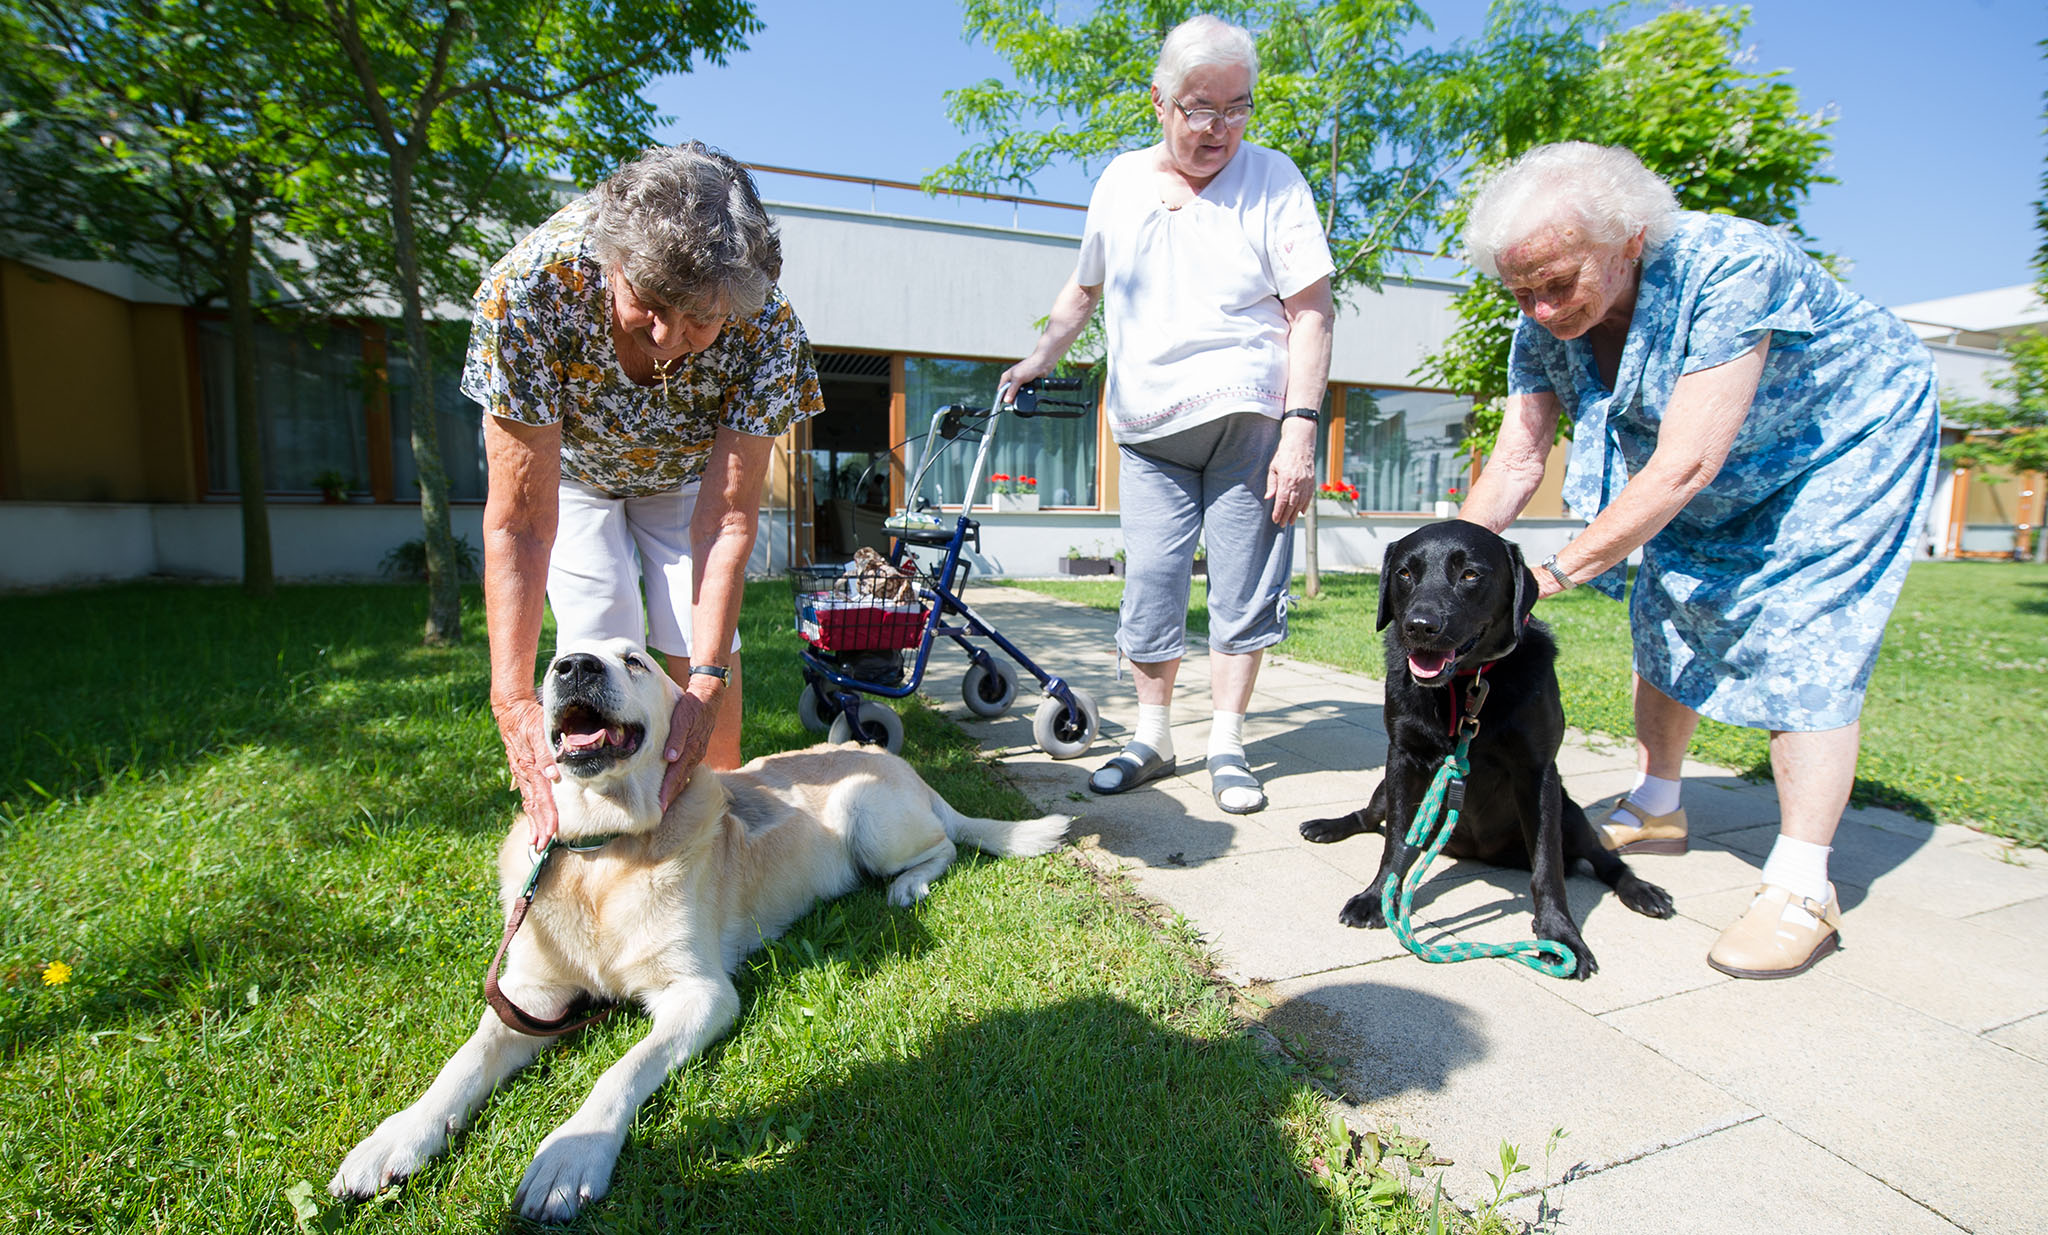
<point>583,741</point>
<point>1427,664</point>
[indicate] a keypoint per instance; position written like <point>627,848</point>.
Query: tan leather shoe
<point>1648,834</point>
<point>1781,935</point>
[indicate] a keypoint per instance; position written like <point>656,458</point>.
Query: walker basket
<point>859,607</point>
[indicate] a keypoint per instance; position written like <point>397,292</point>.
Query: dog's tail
<point>1008,838</point>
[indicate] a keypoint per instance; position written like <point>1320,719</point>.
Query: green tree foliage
<point>454,112</point>
<point>1677,90</point>
<point>1337,93</point>
<point>158,134</point>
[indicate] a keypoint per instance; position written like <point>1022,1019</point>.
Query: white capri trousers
<point>608,551</point>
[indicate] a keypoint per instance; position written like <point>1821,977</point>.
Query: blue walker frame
<point>1067,720</point>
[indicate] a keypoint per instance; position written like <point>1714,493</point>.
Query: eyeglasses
<point>1206,118</point>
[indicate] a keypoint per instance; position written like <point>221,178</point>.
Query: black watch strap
<point>1302,413</point>
<point>720,672</point>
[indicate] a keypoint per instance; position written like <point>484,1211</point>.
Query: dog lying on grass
<point>1455,600</point>
<point>663,911</point>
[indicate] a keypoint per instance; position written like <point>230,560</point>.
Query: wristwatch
<point>1564,581</point>
<point>720,672</point>
<point>1302,413</point>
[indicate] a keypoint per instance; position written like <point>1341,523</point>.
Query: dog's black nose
<point>578,666</point>
<point>1422,625</point>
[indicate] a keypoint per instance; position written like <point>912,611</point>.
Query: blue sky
<point>1938,142</point>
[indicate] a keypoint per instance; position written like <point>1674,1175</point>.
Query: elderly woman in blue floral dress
<point>635,363</point>
<point>1766,437</point>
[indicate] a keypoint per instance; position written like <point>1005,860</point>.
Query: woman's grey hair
<point>686,227</point>
<point>1604,189</point>
<point>1199,42</point>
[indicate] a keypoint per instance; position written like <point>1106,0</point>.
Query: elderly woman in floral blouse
<point>635,363</point>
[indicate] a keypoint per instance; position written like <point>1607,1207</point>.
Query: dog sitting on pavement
<point>1455,600</point>
<point>664,908</point>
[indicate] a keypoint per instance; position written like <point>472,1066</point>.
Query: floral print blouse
<point>541,351</point>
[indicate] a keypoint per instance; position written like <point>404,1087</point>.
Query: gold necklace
<point>662,368</point>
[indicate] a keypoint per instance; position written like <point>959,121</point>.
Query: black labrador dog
<point>1455,602</point>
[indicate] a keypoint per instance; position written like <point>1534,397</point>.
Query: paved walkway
<point>1900,1086</point>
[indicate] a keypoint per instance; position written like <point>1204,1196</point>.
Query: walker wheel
<point>812,711</point>
<point>1066,733</point>
<point>879,726</point>
<point>989,691</point>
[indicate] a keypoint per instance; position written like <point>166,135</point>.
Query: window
<point>460,422</point>
<point>1401,447</point>
<point>1059,453</point>
<point>309,386</point>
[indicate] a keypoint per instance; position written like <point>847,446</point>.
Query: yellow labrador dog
<point>663,911</point>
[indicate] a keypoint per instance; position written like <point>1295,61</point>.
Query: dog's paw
<point>1325,831</point>
<point>570,1170</point>
<point>908,890</point>
<point>1363,910</point>
<point>1645,898</point>
<point>1568,935</point>
<point>400,1145</point>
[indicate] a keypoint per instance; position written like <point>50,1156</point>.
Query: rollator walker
<point>862,618</point>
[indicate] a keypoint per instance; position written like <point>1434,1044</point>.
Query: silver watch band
<point>1564,580</point>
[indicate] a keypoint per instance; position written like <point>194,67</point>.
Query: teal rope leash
<point>1449,789</point>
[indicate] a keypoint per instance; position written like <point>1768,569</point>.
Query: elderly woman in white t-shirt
<point>1214,274</point>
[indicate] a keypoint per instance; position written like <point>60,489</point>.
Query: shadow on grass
<point>215,671</point>
<point>998,1124</point>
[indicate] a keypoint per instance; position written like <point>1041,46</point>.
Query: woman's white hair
<point>1200,42</point>
<point>685,225</point>
<point>1604,189</point>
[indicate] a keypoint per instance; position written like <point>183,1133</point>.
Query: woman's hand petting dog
<point>532,760</point>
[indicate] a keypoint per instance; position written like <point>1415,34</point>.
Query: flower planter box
<point>1085,565</point>
<point>1014,503</point>
<point>1327,507</point>
<point>1447,510</point>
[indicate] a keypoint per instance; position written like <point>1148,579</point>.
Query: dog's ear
<point>1525,582</point>
<point>1386,585</point>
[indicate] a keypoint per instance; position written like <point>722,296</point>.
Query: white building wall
<point>863,281</point>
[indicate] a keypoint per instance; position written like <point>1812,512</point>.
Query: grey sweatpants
<point>1205,483</point>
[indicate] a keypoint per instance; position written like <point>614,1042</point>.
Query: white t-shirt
<point>1192,296</point>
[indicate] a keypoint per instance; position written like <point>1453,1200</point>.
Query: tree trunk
<point>444,585</point>
<point>258,578</point>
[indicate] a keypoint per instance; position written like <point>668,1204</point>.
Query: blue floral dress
<point>1763,603</point>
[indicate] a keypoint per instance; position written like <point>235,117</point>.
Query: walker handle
<point>1031,400</point>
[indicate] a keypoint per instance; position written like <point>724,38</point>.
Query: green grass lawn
<point>1952,724</point>
<point>260,837</point>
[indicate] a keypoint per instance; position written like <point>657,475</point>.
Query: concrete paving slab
<point>1640,958</point>
<point>1926,1108</point>
<point>1736,1180</point>
<point>2028,1037</point>
<point>2025,920</point>
<point>1882,1107</point>
<point>1706,867</point>
<point>1268,916</point>
<point>1575,760</point>
<point>1169,822</point>
<point>1959,972</point>
<point>1953,880</point>
<point>1468,1055</point>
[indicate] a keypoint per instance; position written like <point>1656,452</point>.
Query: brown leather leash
<point>514,1016</point>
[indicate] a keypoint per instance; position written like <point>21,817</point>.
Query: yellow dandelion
<point>56,973</point>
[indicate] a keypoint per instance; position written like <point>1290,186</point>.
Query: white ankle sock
<point>1155,728</point>
<point>1226,733</point>
<point>1226,737</point>
<point>1653,794</point>
<point>1800,867</point>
